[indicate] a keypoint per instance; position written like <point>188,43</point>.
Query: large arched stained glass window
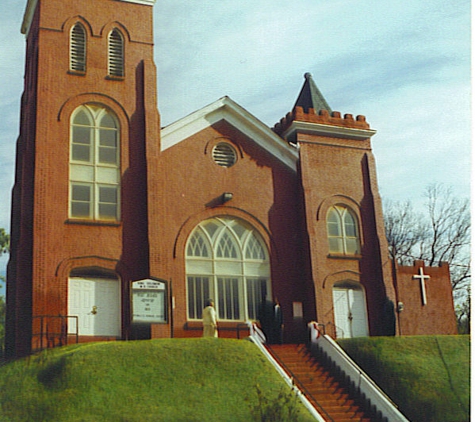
<point>342,231</point>
<point>94,168</point>
<point>227,261</point>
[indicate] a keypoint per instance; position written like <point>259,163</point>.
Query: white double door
<point>96,303</point>
<point>351,318</point>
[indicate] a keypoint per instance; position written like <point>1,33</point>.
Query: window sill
<point>94,222</point>
<point>115,78</point>
<point>343,256</point>
<point>77,72</point>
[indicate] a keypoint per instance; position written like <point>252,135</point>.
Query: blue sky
<point>405,65</point>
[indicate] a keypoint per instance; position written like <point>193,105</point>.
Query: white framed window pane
<point>351,245</point>
<point>108,198</point>
<point>228,298</point>
<point>198,294</point>
<point>225,267</point>
<point>81,173</point>
<point>108,121</point>
<point>81,135</point>
<point>82,118</point>
<point>81,153</point>
<point>108,138</point>
<point>350,226</point>
<point>81,201</point>
<point>81,193</point>
<point>198,246</point>
<point>199,266</point>
<point>256,290</point>
<point>335,244</point>
<point>109,175</point>
<point>254,249</point>
<point>333,224</point>
<point>80,209</point>
<point>226,247</point>
<point>107,155</point>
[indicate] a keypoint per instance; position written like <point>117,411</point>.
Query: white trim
<point>226,109</point>
<point>328,130</point>
<point>288,380</point>
<point>371,390</point>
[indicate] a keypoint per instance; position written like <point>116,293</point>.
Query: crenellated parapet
<point>321,117</point>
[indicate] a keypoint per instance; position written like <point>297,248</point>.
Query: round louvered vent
<point>224,155</point>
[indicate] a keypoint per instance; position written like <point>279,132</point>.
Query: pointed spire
<point>311,97</point>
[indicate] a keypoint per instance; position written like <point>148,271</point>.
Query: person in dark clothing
<point>270,319</point>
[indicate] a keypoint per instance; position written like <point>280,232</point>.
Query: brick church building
<point>122,229</point>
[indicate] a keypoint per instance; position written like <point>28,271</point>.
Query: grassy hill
<point>428,377</point>
<point>157,380</point>
<point>217,379</point>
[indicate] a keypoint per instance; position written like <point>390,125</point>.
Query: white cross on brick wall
<point>422,277</point>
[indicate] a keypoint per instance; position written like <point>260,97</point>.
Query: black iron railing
<point>52,331</point>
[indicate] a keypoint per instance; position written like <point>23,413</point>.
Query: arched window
<point>116,54</point>
<point>342,231</point>
<point>77,48</point>
<point>227,261</point>
<point>94,169</point>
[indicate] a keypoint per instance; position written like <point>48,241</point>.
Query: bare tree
<point>440,234</point>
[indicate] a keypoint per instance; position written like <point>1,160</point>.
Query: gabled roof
<point>226,109</point>
<point>311,97</point>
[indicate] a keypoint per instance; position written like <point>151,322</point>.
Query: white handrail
<point>258,338</point>
<point>367,386</point>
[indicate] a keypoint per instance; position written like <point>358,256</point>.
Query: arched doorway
<point>349,304</point>
<point>227,261</point>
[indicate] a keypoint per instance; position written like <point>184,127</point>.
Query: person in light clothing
<point>210,326</point>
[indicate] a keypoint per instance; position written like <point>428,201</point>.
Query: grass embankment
<point>157,380</point>
<point>427,377</point>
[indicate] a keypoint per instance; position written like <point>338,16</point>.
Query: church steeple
<point>311,97</point>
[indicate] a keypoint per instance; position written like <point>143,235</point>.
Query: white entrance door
<point>350,312</point>
<point>96,303</point>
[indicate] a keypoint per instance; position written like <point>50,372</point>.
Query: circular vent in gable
<point>224,155</point>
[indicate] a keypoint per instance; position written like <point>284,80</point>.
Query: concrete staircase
<point>331,399</point>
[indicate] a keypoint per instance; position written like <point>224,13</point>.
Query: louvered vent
<point>116,54</point>
<point>78,48</point>
<point>224,155</point>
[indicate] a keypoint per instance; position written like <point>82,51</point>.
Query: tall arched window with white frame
<point>77,48</point>
<point>115,63</point>
<point>94,167</point>
<point>227,261</point>
<point>342,230</point>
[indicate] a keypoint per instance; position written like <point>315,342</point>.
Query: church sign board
<point>149,301</point>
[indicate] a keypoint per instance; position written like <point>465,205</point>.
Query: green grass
<point>427,377</point>
<point>157,380</point>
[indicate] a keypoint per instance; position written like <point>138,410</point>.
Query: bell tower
<point>89,122</point>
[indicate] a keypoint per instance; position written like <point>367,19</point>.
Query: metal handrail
<point>300,385</point>
<point>63,332</point>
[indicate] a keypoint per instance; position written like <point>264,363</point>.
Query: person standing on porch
<point>210,325</point>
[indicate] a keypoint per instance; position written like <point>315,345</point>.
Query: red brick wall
<point>339,170</point>
<point>266,194</point>
<point>438,315</point>
<point>46,239</point>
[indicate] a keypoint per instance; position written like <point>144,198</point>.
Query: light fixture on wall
<point>226,197</point>
<point>400,306</point>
